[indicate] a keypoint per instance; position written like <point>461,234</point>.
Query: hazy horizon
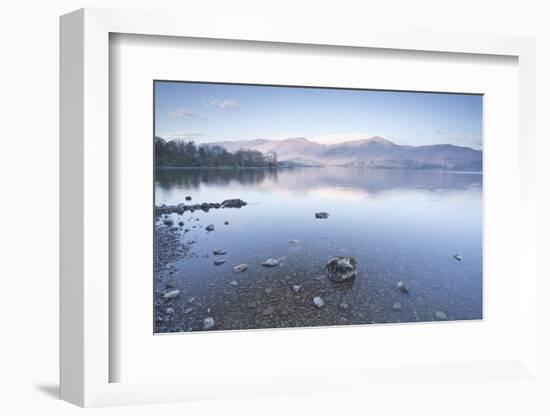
<point>351,140</point>
<point>208,113</point>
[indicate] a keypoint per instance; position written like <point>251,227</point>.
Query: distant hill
<point>374,152</point>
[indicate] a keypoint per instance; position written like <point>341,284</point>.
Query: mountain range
<point>373,152</point>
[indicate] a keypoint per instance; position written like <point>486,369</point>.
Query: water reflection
<point>299,180</point>
<point>168,178</point>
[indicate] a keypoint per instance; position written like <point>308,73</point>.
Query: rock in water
<point>321,215</point>
<point>343,306</point>
<point>181,224</point>
<point>268,311</point>
<point>208,323</point>
<point>233,203</point>
<point>402,287</point>
<point>340,268</point>
<point>296,288</point>
<point>168,222</point>
<point>318,301</point>
<point>457,257</point>
<point>219,252</point>
<point>219,262</point>
<point>170,311</point>
<point>396,306</point>
<point>188,310</point>
<point>240,268</point>
<point>234,283</point>
<point>172,294</point>
<point>440,315</point>
<point>294,242</point>
<point>226,222</point>
<point>210,227</point>
<point>271,263</point>
<point>188,198</point>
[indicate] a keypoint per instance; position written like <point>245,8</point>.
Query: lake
<point>400,225</point>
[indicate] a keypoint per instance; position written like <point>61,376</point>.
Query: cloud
<point>181,113</point>
<point>222,104</point>
<point>183,135</point>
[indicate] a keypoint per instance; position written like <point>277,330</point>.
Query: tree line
<point>182,153</point>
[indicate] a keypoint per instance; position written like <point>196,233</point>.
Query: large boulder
<point>341,269</point>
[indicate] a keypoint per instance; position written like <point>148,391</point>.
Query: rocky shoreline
<point>204,206</point>
<point>276,297</point>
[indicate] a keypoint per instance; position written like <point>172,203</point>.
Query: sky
<point>205,112</point>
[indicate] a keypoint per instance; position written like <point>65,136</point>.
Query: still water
<point>400,225</point>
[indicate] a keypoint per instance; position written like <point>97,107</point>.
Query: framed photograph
<point>244,214</point>
<point>283,230</point>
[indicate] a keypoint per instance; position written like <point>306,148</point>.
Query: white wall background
<point>29,208</point>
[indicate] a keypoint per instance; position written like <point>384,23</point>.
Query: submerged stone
<point>208,323</point>
<point>440,315</point>
<point>271,263</point>
<point>172,294</point>
<point>268,311</point>
<point>240,268</point>
<point>318,302</point>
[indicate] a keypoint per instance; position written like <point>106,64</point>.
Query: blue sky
<point>213,112</point>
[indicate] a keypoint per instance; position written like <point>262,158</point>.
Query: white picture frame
<point>85,211</point>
